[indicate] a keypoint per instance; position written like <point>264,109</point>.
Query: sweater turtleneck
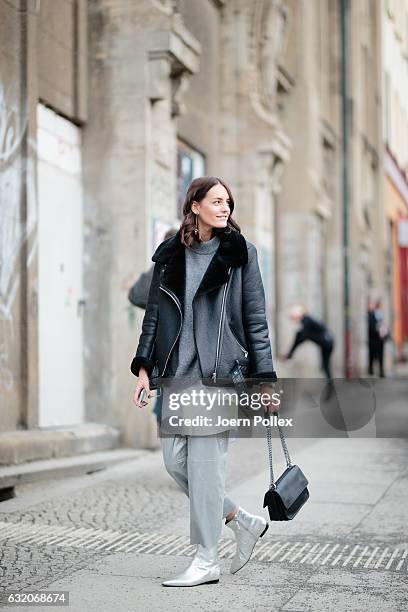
<point>206,247</point>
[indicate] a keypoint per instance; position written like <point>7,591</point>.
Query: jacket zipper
<point>240,345</point>
<point>170,293</point>
<point>214,374</point>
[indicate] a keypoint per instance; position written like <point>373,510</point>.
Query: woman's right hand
<point>142,383</point>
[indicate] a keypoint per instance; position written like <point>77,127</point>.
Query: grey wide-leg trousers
<point>197,464</point>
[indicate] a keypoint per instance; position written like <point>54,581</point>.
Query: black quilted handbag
<point>289,493</point>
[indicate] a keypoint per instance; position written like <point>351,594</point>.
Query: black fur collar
<point>232,251</point>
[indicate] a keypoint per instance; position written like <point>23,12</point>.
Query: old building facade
<point>395,135</point>
<point>109,109</point>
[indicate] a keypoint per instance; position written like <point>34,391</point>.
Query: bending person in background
<point>315,331</point>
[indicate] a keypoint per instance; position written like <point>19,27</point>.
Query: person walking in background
<point>138,296</point>
<point>378,334</point>
<point>315,331</point>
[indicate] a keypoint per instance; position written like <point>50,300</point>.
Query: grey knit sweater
<point>188,371</point>
<point>198,257</point>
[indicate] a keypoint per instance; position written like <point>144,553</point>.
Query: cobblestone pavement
<point>346,526</point>
<point>131,502</point>
<point>25,567</point>
<point>140,501</point>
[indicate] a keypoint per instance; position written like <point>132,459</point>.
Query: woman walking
<point>205,312</point>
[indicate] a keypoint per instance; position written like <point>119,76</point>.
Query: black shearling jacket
<point>228,308</point>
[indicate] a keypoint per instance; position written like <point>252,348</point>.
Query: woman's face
<point>214,208</point>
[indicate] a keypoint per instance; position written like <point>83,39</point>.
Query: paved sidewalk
<point>111,538</point>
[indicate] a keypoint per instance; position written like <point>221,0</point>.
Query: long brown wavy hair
<point>196,192</point>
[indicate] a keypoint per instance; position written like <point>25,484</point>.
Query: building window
<point>190,165</point>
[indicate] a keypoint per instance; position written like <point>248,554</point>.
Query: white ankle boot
<point>204,568</point>
<point>247,528</point>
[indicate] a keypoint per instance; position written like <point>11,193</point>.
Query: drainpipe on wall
<point>24,113</point>
<point>344,8</point>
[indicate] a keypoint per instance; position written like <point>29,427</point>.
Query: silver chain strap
<point>285,452</point>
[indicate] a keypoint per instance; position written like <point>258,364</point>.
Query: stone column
<point>140,59</point>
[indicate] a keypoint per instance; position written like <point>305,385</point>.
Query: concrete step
<point>25,445</point>
<point>46,469</point>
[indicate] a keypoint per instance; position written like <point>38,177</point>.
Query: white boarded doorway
<point>60,291</point>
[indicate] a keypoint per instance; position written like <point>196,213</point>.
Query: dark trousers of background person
<point>158,408</point>
<point>326,352</point>
<point>376,353</point>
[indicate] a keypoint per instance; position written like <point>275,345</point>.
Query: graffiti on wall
<point>13,230</point>
<point>16,166</point>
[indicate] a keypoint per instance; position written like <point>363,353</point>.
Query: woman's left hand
<point>268,404</point>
